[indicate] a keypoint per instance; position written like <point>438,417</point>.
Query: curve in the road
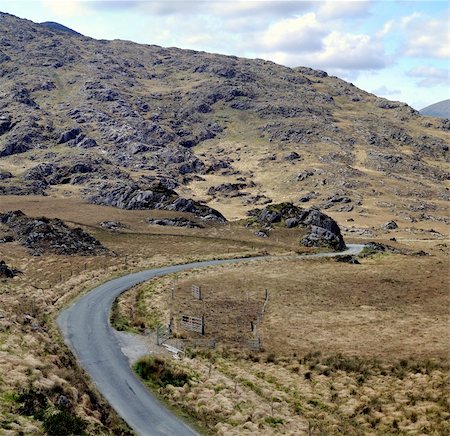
<point>86,329</point>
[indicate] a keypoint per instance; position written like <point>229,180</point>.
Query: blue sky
<point>396,49</point>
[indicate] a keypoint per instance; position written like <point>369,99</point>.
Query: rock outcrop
<point>132,196</point>
<point>45,235</point>
<point>322,229</point>
<point>6,271</point>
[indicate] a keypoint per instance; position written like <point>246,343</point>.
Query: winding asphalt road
<point>86,329</point>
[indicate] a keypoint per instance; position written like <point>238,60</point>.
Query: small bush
<point>161,373</point>
<point>271,358</point>
<point>64,423</point>
<point>32,403</point>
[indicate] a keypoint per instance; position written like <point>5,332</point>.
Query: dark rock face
<point>13,147</point>
<point>69,135</point>
<point>5,124</point>
<point>324,231</point>
<point>6,271</point>
<point>130,195</point>
<point>175,222</point>
<point>228,189</point>
<point>44,235</point>
<point>5,175</point>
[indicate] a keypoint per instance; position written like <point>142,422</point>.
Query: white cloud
<point>428,37</point>
<point>344,9</point>
<point>422,35</point>
<point>66,9</point>
<point>348,51</point>
<point>386,92</point>
<point>254,8</point>
<point>430,76</point>
<point>295,35</point>
<point>398,25</point>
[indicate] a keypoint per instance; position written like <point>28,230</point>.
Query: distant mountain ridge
<point>440,109</point>
<point>59,27</point>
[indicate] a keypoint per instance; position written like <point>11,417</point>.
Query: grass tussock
<point>161,372</point>
<point>233,394</point>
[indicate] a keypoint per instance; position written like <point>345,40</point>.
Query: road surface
<point>86,329</point>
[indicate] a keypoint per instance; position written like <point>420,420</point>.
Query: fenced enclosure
<point>193,323</point>
<point>203,319</point>
<point>163,333</point>
<point>196,292</point>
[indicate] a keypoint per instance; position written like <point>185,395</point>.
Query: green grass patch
<point>159,372</point>
<point>274,421</point>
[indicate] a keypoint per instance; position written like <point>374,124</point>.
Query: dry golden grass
<point>348,348</point>
<point>389,307</point>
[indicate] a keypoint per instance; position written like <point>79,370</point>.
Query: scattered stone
<point>6,238</point>
<point>175,222</point>
<point>6,271</point>
<point>348,259</point>
<point>257,200</point>
<point>377,247</point>
<point>292,222</point>
<point>339,199</point>
<point>348,208</point>
<point>229,189</point>
<point>261,234</point>
<point>420,253</point>
<point>111,225</point>
<point>390,225</point>
<point>304,175</point>
<point>63,401</point>
<point>292,156</point>
<point>307,197</point>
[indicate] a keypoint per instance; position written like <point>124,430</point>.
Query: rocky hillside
<point>440,109</point>
<point>112,120</point>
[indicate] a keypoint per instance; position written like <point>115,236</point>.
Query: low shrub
<point>64,422</point>
<point>160,372</point>
<point>32,403</point>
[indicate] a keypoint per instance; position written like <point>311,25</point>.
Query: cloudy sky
<point>396,49</point>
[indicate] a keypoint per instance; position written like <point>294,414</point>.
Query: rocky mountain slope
<point>139,126</point>
<point>440,109</point>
